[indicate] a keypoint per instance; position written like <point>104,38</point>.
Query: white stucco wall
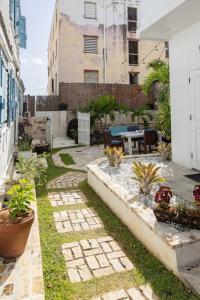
<point>184,57</point>
<point>6,149</point>
<point>160,9</point>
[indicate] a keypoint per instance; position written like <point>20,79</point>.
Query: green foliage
<point>21,197</point>
<point>159,74</point>
<point>24,145</point>
<point>67,159</point>
<point>142,114</point>
<point>164,119</point>
<point>103,107</point>
<point>32,169</point>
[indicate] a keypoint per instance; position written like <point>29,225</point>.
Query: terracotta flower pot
<point>13,238</point>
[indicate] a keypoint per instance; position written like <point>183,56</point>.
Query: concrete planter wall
<point>174,249</point>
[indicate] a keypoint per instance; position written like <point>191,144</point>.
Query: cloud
<point>37,60</point>
<point>24,60</point>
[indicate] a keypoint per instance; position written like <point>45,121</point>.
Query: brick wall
<point>77,95</point>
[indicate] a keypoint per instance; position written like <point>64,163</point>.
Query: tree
<point>160,74</point>
<point>141,114</point>
<point>103,107</point>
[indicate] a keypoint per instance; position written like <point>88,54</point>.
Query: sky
<point>39,15</point>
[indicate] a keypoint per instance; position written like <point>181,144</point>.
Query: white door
<point>84,128</point>
<point>195,117</point>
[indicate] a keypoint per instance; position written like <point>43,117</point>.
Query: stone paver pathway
<point>94,258</point>
<point>82,156</point>
<point>66,198</point>
<point>89,258</point>
<point>68,180</point>
<point>77,220</point>
<point>142,293</point>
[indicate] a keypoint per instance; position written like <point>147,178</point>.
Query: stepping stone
<point>94,258</point>
<point>66,198</point>
<point>68,180</point>
<point>141,293</point>
<point>77,220</point>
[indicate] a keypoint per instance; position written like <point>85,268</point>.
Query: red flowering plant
<point>163,197</point>
<point>196,194</point>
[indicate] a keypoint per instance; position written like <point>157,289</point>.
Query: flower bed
<point>120,192</point>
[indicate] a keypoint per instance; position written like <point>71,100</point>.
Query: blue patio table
<point>132,135</point>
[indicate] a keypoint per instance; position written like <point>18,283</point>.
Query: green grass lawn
<point>148,269</point>
<point>67,159</point>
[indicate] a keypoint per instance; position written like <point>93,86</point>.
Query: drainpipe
<point>104,45</point>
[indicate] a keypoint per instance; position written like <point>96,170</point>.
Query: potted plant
<point>165,151</point>
<point>16,220</point>
<point>162,208</point>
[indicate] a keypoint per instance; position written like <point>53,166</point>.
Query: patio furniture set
<point>118,136</point>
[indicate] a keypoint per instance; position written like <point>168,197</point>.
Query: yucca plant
<point>165,150</point>
<point>146,176</point>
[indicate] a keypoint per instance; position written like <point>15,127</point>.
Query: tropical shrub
<point>101,108</point>
<point>163,197</point>
<point>142,114</point>
<point>115,156</point>
<point>32,169</point>
<point>165,150</point>
<point>21,197</point>
<point>146,176</point>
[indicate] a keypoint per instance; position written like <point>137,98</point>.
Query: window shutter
<point>91,77</point>
<point>90,44</point>
<point>22,32</point>
<point>90,10</point>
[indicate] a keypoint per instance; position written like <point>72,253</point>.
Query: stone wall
<point>36,128</point>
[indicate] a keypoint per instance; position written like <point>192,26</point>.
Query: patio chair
<point>150,139</point>
<point>111,142</point>
<point>132,128</point>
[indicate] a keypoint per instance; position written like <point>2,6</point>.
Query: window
<point>133,78</point>
<point>133,52</point>
<point>132,19</point>
<point>166,49</point>
<point>91,76</point>
<point>90,44</point>
<point>52,85</point>
<point>90,10</point>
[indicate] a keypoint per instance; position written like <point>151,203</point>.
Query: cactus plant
<point>165,150</point>
<point>163,197</point>
<point>146,175</point>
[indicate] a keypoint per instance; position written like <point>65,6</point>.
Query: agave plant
<point>146,175</point>
<point>165,150</point>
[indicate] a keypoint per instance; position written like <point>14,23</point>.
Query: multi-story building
<point>95,42</point>
<point>12,37</point>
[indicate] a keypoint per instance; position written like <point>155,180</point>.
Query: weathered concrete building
<point>12,37</point>
<point>95,42</point>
